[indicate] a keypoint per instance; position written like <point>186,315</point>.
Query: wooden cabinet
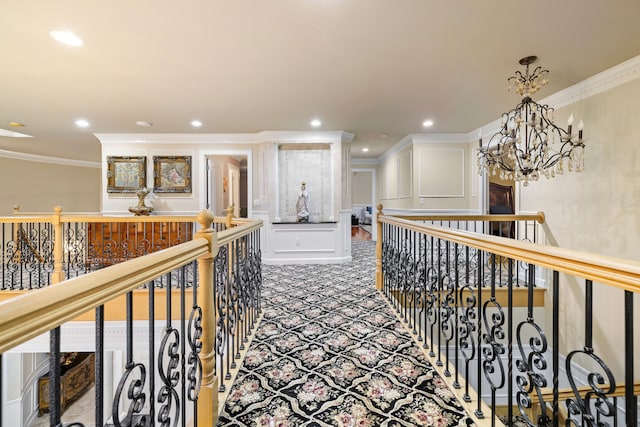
<point>76,378</point>
<point>114,242</point>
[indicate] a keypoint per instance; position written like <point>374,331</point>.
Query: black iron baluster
<point>194,375</point>
<point>183,341</point>
<point>438,301</point>
<point>99,367</point>
<point>492,337</point>
<point>55,409</point>
<point>555,405</point>
<point>510,340</point>
<point>456,325</point>
<point>631,401</point>
<point>602,383</point>
<point>168,363</point>
<point>135,390</point>
<point>480,280</point>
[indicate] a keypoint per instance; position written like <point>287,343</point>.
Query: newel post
<point>379,278</point>
<point>208,397</point>
<point>230,216</point>
<point>57,275</point>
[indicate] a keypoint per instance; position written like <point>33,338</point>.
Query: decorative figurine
<point>302,205</point>
<point>141,209</point>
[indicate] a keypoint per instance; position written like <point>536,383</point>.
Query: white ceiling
<point>367,67</point>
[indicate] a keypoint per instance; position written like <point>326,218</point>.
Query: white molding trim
<point>401,211</point>
<point>424,138</point>
<point>423,171</point>
<point>46,159</point>
<point>601,82</point>
<point>365,162</point>
<point>225,138</point>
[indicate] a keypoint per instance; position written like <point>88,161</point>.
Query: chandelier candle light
<point>521,149</point>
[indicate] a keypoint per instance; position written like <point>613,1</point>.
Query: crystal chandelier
<point>522,149</point>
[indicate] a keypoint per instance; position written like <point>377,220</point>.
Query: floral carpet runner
<point>329,352</point>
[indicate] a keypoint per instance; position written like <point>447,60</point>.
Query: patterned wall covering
<point>311,165</point>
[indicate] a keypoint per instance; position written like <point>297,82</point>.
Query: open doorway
<point>227,184</point>
<point>363,201</point>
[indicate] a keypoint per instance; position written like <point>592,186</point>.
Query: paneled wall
<point>429,176</point>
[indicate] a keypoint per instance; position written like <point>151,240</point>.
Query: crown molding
<point>224,138</point>
<point>424,138</point>
<point>601,82</point>
<point>46,159</point>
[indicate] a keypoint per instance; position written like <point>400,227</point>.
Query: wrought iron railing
<point>32,258</point>
<point>196,304</point>
<point>457,292</point>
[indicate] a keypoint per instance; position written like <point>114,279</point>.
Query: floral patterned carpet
<point>329,352</point>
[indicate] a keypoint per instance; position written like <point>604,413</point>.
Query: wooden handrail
<point>567,393</point>
<point>538,217</point>
<point>620,273</point>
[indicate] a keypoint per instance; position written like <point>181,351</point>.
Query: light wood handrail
<point>538,217</point>
<point>617,272</point>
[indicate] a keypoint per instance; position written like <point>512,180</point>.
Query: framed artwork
<point>172,174</point>
<point>126,174</point>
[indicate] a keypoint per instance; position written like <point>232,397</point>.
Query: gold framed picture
<point>172,174</point>
<point>126,174</point>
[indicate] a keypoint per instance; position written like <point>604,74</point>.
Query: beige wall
<point>362,187</point>
<point>38,187</point>
<point>597,211</point>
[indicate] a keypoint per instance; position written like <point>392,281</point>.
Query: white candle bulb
<point>570,121</point>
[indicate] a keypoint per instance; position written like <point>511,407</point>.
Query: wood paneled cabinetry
<point>113,242</point>
<point>75,379</point>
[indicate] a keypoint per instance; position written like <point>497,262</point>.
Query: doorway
<point>227,185</point>
<point>363,204</point>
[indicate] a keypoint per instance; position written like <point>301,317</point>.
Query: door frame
<point>204,175</point>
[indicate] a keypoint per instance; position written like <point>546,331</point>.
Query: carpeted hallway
<point>329,352</point>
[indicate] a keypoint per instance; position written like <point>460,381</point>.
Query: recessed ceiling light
<point>427,123</point>
<point>384,135</point>
<point>16,124</point>
<point>82,123</point>
<point>315,123</point>
<point>365,149</point>
<point>144,124</point>
<point>196,123</point>
<point>66,37</point>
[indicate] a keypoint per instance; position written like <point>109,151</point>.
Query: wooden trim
<point>520,296</point>
<point>620,273</point>
<point>538,217</point>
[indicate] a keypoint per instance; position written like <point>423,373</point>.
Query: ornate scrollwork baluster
<point>168,370</point>
<point>532,367</point>
<point>492,365</point>
<point>466,328</point>
<point>221,282</point>
<point>135,395</point>
<point>596,402</point>
<point>194,338</point>
<point>447,311</point>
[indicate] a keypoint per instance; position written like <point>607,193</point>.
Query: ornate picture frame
<point>172,174</point>
<point>126,174</point>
